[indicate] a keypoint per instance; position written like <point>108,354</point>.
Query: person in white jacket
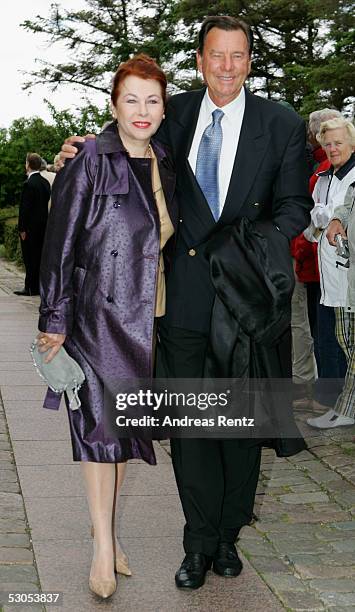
<point>337,137</point>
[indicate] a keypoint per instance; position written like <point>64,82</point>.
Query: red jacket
<point>304,252</point>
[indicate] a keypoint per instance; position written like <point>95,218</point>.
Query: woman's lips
<point>141,124</point>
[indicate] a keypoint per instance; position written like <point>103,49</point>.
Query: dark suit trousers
<point>216,479</point>
<point>31,254</point>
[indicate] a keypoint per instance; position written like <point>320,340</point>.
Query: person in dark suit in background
<point>237,155</point>
<point>33,215</point>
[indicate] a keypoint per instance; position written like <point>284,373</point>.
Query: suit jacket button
<point>109,299</point>
<point>116,204</point>
<point>192,252</point>
<point>114,253</point>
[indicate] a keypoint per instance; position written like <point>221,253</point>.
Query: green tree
<point>100,37</point>
<point>304,49</point>
<point>35,135</point>
<point>23,136</point>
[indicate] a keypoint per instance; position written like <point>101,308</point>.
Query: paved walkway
<point>299,555</point>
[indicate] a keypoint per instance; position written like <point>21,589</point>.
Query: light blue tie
<point>207,164</point>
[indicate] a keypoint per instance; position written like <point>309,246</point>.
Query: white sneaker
<point>330,419</point>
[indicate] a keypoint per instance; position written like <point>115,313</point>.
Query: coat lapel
<point>186,118</point>
<point>251,150</point>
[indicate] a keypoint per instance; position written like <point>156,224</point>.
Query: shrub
<point>12,241</point>
<point>5,214</point>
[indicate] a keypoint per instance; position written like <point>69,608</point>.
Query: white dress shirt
<point>231,124</point>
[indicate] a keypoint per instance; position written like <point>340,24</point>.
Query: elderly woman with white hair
<point>337,137</point>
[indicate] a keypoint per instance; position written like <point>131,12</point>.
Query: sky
<point>19,50</point>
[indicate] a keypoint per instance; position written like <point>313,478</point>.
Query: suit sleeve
<point>292,202</point>
<point>71,193</point>
<point>25,207</point>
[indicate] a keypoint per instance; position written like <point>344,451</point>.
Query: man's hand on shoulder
<point>68,150</point>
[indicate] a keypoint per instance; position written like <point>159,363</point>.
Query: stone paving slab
<point>19,366</point>
<point>62,518</point>
<point>24,419</point>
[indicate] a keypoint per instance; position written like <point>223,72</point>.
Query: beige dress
<point>166,231</point>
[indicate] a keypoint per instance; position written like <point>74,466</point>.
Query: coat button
<point>114,252</point>
<point>109,299</point>
<point>192,252</point>
<point>116,204</point>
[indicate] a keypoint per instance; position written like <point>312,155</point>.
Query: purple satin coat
<point>98,280</point>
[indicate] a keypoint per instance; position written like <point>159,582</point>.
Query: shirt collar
<point>343,170</point>
<point>231,110</point>
<point>32,172</point>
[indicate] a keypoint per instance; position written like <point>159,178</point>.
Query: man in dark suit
<point>236,155</point>
<point>32,222</point>
<point>261,174</point>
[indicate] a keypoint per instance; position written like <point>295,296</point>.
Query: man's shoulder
<point>272,109</point>
<point>186,97</point>
<point>89,147</point>
<point>41,182</point>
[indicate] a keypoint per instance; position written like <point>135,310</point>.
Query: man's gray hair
<point>319,116</point>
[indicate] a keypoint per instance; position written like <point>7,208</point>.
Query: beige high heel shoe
<point>121,560</point>
<point>102,588</point>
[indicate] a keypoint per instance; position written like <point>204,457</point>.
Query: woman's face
<point>337,146</point>
<point>139,110</point>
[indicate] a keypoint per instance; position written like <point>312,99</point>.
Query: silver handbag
<point>62,374</point>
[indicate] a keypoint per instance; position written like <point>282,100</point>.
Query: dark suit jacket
<point>33,211</point>
<point>269,181</point>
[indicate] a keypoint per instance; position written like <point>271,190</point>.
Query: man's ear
<point>199,60</point>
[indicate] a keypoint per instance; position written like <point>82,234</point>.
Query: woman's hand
<point>46,341</point>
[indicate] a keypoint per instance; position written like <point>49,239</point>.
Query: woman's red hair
<point>141,66</point>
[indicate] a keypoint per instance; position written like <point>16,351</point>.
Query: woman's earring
<point>164,116</point>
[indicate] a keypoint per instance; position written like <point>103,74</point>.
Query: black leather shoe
<point>226,561</point>
<point>22,292</point>
<point>192,572</point>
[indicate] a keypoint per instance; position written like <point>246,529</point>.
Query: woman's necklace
<point>148,153</point>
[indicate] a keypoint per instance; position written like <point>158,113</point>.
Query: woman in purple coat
<point>102,284</point>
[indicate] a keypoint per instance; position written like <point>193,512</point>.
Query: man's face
<point>225,64</point>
